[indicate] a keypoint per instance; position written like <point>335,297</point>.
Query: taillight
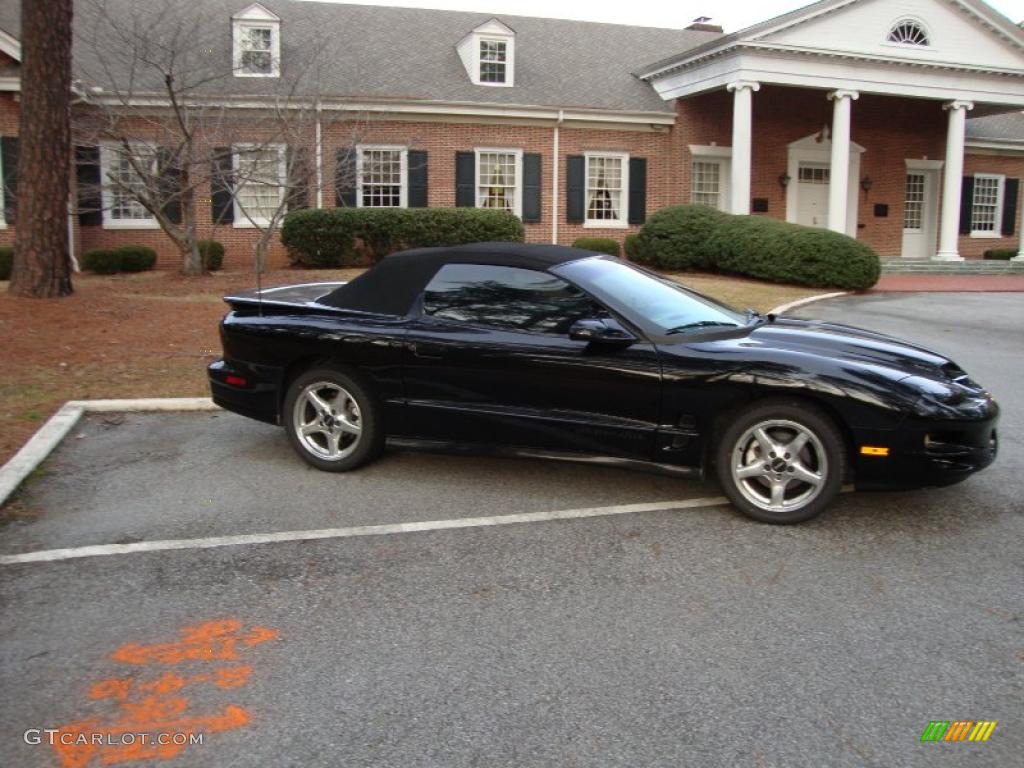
<point>236,381</point>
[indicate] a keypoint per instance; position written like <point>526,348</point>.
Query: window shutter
<point>575,192</point>
<point>87,176</point>
<point>465,179</point>
<point>531,187</point>
<point>221,197</point>
<point>637,190</point>
<point>1010,193</point>
<point>299,178</point>
<point>169,184</point>
<point>416,160</point>
<point>9,160</point>
<point>966,204</point>
<point>345,178</point>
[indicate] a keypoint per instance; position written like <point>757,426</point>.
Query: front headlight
<point>943,398</point>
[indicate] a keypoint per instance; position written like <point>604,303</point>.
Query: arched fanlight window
<point>908,32</point>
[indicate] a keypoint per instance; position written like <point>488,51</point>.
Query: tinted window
<point>506,297</point>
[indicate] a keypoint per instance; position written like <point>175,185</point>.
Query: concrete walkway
<point>949,283</point>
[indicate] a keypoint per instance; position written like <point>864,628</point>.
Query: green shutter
<point>966,204</point>
<point>345,178</point>
<point>300,178</point>
<point>169,185</point>
<point>9,160</point>
<point>575,192</point>
<point>531,188</point>
<point>87,175</point>
<point>1010,193</point>
<point>637,190</point>
<point>465,179</point>
<point>417,178</point>
<point>221,196</point>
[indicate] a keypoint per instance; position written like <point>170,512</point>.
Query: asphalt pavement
<point>669,638</point>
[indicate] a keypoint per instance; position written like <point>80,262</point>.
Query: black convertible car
<point>562,353</point>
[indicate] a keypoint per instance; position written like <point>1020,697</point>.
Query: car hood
<point>855,345</point>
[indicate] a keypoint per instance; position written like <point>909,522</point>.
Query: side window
<point>506,297</point>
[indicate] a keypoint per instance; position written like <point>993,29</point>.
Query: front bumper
<point>258,399</point>
<point>925,452</point>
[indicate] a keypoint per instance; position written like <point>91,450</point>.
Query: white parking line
<point>100,550</point>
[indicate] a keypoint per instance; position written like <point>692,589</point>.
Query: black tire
<point>750,478</point>
<point>360,408</point>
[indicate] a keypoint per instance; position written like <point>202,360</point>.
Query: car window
<point>506,297</point>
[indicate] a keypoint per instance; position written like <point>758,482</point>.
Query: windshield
<point>654,301</point>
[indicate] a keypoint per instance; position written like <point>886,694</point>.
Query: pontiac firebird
<point>561,353</point>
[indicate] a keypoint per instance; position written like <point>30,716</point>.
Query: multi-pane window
<point>913,205</point>
<point>606,188</point>
<point>988,194</point>
<point>908,32</point>
<point>706,188</point>
<point>259,183</point>
<point>498,180</point>
<point>256,48</point>
<point>122,184</point>
<point>813,174</point>
<point>381,177</point>
<point>493,61</point>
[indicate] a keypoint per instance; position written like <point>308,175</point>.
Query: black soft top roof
<point>391,287</point>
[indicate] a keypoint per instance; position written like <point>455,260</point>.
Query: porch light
<point>867,183</point>
<point>784,179</point>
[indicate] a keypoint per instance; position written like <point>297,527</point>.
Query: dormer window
<point>257,42</point>
<point>488,54</point>
<point>908,32</point>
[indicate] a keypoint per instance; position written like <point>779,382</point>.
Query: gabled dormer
<point>488,53</point>
<point>256,42</point>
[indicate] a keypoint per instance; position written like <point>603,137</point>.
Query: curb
<point>783,308</point>
<point>49,436</point>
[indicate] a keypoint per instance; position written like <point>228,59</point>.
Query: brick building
<point>898,123</point>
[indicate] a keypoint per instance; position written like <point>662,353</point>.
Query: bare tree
<point>42,266</point>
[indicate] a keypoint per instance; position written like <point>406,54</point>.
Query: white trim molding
<point>241,219</point>
<point>255,17</point>
<point>622,222</point>
<point>997,218</point>
<point>517,192</point>
<point>403,192</point>
<point>108,151</point>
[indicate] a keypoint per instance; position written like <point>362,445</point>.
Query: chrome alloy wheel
<point>327,420</point>
<point>779,465</point>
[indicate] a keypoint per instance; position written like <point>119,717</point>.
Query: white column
<point>742,132</point>
<point>839,167</point>
<point>949,221</point>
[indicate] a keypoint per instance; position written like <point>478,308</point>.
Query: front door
<point>919,214</point>
<point>490,361</point>
<point>812,194</point>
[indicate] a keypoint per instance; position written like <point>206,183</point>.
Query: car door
<point>489,360</point>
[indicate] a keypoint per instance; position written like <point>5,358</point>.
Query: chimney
<point>703,24</point>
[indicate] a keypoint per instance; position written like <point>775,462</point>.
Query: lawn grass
<point>152,334</point>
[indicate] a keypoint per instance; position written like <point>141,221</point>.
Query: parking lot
<point>682,635</point>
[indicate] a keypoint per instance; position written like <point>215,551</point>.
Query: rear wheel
<point>332,420</point>
<point>781,462</point>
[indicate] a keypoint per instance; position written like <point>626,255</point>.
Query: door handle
<point>418,352</point>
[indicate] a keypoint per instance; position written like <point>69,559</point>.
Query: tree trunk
<point>42,262</point>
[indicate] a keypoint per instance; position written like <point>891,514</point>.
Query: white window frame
<point>403,194</point>
<point>623,221</point>
<point>997,230</point>
<point>930,45</point>
<point>710,153</point>
<point>517,200</point>
<point>108,151</point>
<point>240,28</point>
<point>509,58</point>
<point>241,219</point>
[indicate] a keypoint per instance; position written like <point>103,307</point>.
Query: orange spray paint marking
<point>157,705</point>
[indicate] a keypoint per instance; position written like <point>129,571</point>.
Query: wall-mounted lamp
<point>866,183</point>
<point>784,179</point>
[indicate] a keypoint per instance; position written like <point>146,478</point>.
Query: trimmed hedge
<point>212,254</point>
<point>336,237</point>
<point>631,246</point>
<point>698,237</point>
<point>599,244</point>
<point>6,262</point>
<point>1000,254</point>
<point>102,261</point>
<point>136,258</point>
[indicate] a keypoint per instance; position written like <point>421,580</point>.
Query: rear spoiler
<point>303,297</point>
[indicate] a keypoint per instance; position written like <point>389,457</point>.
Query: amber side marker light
<point>236,381</point>
<point>873,450</point>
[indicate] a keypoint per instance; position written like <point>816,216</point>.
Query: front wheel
<point>332,420</point>
<point>781,462</point>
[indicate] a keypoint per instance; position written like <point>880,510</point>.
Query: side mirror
<point>595,330</point>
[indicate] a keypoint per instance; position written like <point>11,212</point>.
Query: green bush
<point>599,244</point>
<point>774,250</point>
<point>102,261</point>
<point>337,237</point>
<point>212,254</point>
<point>6,262</point>
<point>136,258</point>
<point>677,237</point>
<point>1000,254</point>
<point>630,245</point>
